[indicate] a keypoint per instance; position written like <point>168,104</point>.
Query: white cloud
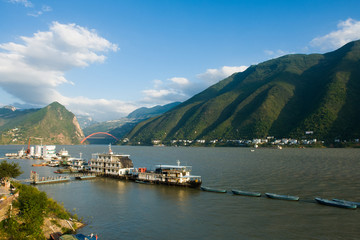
<point>98,109</point>
<point>180,80</point>
<point>348,31</point>
<point>174,89</point>
<point>212,76</point>
<point>32,70</point>
<point>180,88</point>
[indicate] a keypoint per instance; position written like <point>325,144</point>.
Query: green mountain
<point>283,97</point>
<point>53,123</point>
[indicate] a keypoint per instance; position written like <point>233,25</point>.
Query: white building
<point>111,164</point>
<point>48,152</point>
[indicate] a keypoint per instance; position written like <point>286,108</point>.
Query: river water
<point>116,209</point>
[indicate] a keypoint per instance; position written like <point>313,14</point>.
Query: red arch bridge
<point>82,141</point>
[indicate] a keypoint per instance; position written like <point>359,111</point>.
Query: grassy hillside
<point>283,97</point>
<point>54,123</point>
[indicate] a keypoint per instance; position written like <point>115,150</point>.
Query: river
<point>116,209</point>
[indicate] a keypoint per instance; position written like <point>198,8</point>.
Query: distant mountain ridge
<point>53,123</point>
<point>119,128</point>
<point>282,97</point>
<point>144,112</point>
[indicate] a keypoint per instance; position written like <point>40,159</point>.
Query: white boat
<point>176,175</point>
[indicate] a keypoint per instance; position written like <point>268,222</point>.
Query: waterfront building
<point>49,151</point>
<point>111,164</point>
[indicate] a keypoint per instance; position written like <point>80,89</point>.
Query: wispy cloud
<point>348,30</point>
<point>41,12</point>
<point>25,3</point>
<point>276,53</point>
<point>33,70</point>
<point>35,12</point>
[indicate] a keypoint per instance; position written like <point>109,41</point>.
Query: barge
<point>246,193</point>
<point>282,197</point>
<point>121,166</point>
<point>175,175</point>
<point>333,203</point>
<point>208,189</point>
<point>85,177</point>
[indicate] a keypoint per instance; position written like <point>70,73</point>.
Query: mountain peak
<point>54,123</point>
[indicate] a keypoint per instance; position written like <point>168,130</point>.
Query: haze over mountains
<point>283,97</point>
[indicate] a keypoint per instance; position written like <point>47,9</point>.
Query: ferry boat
<point>176,175</point>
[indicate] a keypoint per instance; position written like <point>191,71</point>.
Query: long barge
<point>173,175</point>
<point>121,166</point>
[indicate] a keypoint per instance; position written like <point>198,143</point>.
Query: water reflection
<point>127,210</point>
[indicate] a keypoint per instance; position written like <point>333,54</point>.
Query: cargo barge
<point>175,175</point>
<point>121,166</point>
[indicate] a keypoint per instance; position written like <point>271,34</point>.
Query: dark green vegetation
<point>54,123</point>
<point>32,206</point>
<point>9,170</point>
<point>283,97</point>
<point>119,128</point>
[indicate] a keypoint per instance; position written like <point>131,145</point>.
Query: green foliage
<point>53,208</point>
<point>33,206</point>
<point>283,97</point>
<point>9,170</point>
<point>27,225</point>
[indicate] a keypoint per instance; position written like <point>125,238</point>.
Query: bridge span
<point>82,141</point>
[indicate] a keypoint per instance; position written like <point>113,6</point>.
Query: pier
<point>36,179</point>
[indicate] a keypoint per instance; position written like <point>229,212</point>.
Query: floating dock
<point>35,179</point>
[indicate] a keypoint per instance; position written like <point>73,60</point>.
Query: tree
<point>9,170</point>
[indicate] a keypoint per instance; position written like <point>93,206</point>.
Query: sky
<point>106,58</point>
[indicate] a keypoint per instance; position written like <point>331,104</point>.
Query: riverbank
<point>30,214</point>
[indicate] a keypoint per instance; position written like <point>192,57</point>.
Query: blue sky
<point>106,58</point>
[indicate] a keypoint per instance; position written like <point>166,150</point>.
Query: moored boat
<point>347,202</point>
<point>40,165</point>
<point>207,189</point>
<point>85,177</point>
<point>332,203</point>
<point>245,193</point>
<point>175,175</point>
<point>282,197</point>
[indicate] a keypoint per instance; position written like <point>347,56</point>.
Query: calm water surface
<point>125,210</point>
